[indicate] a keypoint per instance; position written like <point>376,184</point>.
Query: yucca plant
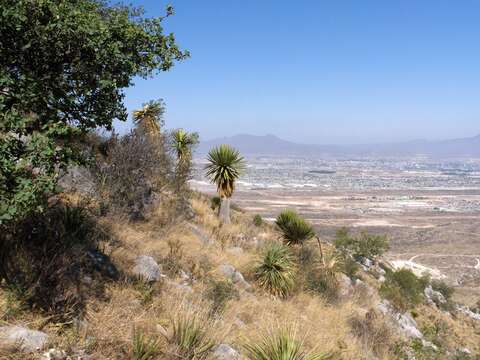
<point>293,228</point>
<point>276,272</point>
<point>149,117</point>
<point>225,165</point>
<point>190,336</point>
<point>281,345</point>
<point>143,348</point>
<point>183,142</point>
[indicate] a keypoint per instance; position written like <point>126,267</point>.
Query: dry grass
<point>108,330</point>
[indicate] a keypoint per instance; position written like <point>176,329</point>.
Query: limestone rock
<point>225,352</point>
<point>147,269</point>
<point>434,297</point>
<point>27,340</point>
<point>233,274</point>
<point>403,322</point>
<point>54,354</point>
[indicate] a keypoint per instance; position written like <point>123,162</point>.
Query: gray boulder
<point>225,352</point>
<point>345,285</point>
<point>405,323</point>
<point>233,274</point>
<point>147,269</point>
<point>27,340</point>
<point>433,296</point>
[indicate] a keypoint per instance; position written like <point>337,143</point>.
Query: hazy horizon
<point>321,72</point>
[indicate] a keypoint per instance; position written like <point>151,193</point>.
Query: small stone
<point>54,354</point>
<point>27,340</point>
<point>147,269</point>
<point>225,352</point>
<point>235,276</point>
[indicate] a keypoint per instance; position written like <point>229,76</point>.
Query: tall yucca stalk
<point>281,344</point>
<point>183,142</point>
<point>293,228</point>
<point>149,117</point>
<point>225,165</point>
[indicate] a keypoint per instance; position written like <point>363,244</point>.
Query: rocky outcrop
<point>147,269</point>
<point>27,340</point>
<point>233,274</point>
<point>434,297</point>
<point>225,352</point>
<point>404,323</point>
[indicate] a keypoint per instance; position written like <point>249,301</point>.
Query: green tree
<point>224,168</point>
<point>63,68</point>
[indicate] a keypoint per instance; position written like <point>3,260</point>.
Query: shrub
<point>443,288</point>
<point>323,278</point>
<point>190,336</point>
<point>136,168</point>
<point>293,228</point>
<point>276,272</point>
<point>373,331</point>
<point>215,202</point>
<point>281,345</point>
<point>403,288</point>
<point>220,292</point>
<point>365,245</point>
<point>257,220</point>
<point>45,257</point>
<point>143,348</point>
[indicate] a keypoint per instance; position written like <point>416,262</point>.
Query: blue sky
<point>310,71</point>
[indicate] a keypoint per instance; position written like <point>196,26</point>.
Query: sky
<point>323,72</point>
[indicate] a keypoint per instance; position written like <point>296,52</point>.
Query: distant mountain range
<point>272,145</point>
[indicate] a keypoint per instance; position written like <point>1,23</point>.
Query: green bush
<point>276,272</point>
<point>281,345</point>
<point>219,293</point>
<point>215,202</point>
<point>365,245</point>
<point>257,220</point>
<point>45,257</point>
<point>403,288</point>
<point>293,228</point>
<point>443,288</point>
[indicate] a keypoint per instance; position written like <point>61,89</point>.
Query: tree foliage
<point>365,245</point>
<point>63,68</point>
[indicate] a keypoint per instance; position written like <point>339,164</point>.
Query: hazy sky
<point>333,71</point>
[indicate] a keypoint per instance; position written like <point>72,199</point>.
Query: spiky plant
<point>276,271</point>
<point>149,117</point>
<point>183,141</point>
<point>225,165</point>
<point>293,228</point>
<point>143,348</point>
<point>190,336</point>
<point>281,345</point>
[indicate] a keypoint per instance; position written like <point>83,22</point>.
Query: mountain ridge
<point>273,145</point>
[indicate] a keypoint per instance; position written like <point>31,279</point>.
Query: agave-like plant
<point>183,141</point>
<point>281,345</point>
<point>225,165</point>
<point>276,271</point>
<point>293,228</point>
<point>150,117</point>
<point>190,337</point>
